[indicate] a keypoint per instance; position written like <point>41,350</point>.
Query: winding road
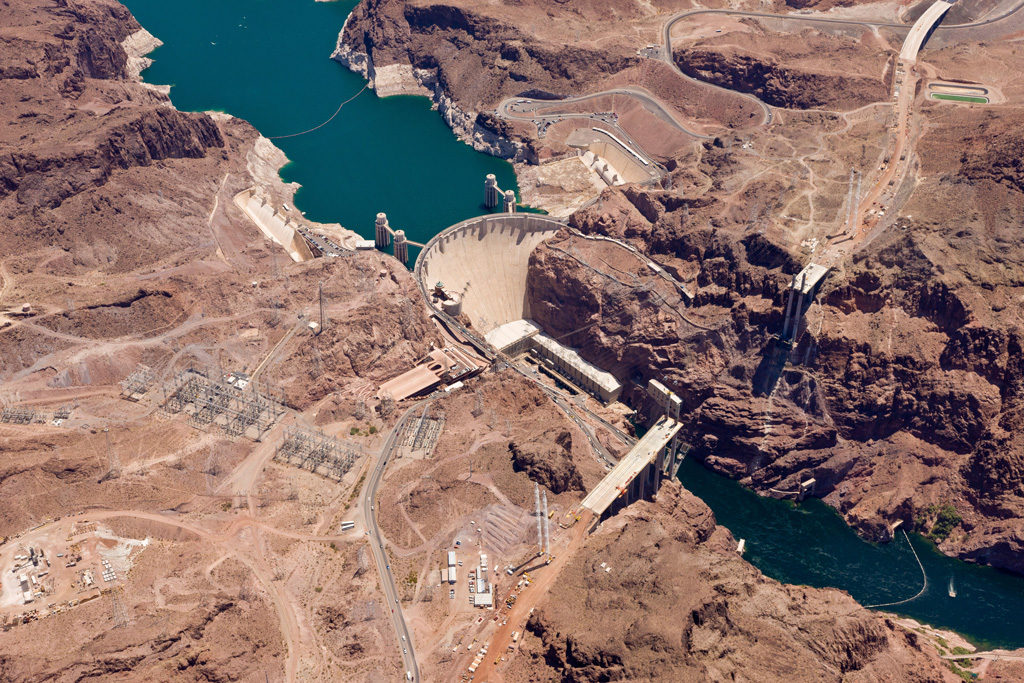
<point>665,113</point>
<point>681,16</point>
<point>653,104</point>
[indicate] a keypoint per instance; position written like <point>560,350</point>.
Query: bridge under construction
<point>639,472</point>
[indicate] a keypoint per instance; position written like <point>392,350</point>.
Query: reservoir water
<point>267,61</point>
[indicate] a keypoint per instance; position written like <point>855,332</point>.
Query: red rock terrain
<point>789,73</point>
<point>677,603</point>
<point>120,233</point>
<point>901,391</point>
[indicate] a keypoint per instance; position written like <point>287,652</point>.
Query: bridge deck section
<point>808,278</point>
<point>919,31</point>
<point>632,464</point>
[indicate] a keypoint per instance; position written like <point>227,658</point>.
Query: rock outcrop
<point>902,390</point>
<point>677,603</point>
<point>466,61</point>
<point>547,459</point>
<point>787,73</point>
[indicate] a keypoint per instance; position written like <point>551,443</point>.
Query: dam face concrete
<point>485,260</point>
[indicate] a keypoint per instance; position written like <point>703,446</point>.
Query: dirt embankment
<point>697,611</point>
<point>787,70</point>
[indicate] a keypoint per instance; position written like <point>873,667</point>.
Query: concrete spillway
<point>272,223</point>
<point>486,260</point>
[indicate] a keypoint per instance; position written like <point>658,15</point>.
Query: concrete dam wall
<point>486,260</point>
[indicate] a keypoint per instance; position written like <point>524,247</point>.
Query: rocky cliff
<point>677,603</point>
<point>467,60</point>
<point>786,70</point>
<point>72,126</point>
<point>902,392</point>
<point>119,232</point>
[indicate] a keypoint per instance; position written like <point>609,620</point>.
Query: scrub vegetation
<point>938,520</point>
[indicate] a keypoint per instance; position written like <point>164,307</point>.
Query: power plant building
<point>587,376</point>
<point>519,336</point>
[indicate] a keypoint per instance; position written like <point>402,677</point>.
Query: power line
<point>336,112</point>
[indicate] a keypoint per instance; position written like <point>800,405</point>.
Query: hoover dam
<point>484,261</point>
<point>764,345</point>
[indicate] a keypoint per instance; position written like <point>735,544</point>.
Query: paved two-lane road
<point>387,581</point>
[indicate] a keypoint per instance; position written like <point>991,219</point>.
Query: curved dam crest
<point>486,260</point>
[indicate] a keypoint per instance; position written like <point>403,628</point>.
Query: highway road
<point>652,104</point>
<point>507,109</point>
<point>667,35</point>
<point>667,41</point>
<point>915,39</point>
<point>504,109</point>
<point>387,581</point>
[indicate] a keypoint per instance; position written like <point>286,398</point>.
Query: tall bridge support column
<point>801,290</point>
<point>671,405</point>
<point>635,474</point>
<point>789,309</point>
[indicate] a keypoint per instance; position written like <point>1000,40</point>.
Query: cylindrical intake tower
<point>401,247</point>
<point>491,198</point>
<point>383,235</point>
<point>510,201</point>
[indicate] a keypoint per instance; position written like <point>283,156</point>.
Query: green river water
<point>268,62</point>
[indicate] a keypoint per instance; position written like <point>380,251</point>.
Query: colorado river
<point>267,62</point>
<point>810,544</point>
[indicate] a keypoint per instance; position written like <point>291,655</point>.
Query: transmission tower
<point>321,288</point>
<point>316,356</point>
<point>478,410</point>
<point>117,609</point>
<point>547,530</point>
<point>113,464</point>
<point>536,507</point>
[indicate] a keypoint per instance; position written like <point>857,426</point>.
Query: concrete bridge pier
<point>801,291</point>
<point>636,474</point>
<point>671,406</point>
